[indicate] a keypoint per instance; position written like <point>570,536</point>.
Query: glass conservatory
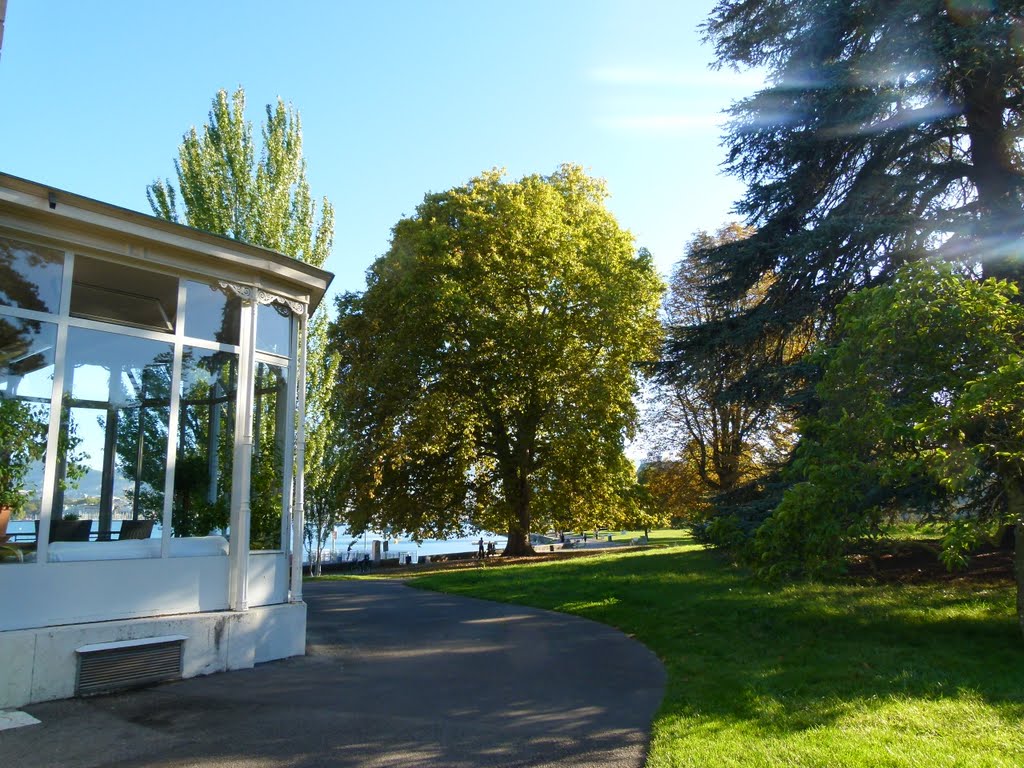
<point>151,381</point>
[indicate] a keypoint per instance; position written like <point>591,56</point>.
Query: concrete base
<point>41,664</point>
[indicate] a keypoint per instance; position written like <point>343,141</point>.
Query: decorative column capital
<point>259,296</point>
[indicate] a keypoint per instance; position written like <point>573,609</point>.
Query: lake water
<point>343,546</point>
<point>24,528</point>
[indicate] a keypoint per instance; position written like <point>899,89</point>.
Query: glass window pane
<point>270,422</point>
<point>115,293</point>
<point>206,442</point>
<point>274,329</point>
<point>211,313</point>
<point>113,452</point>
<point>26,381</point>
<point>26,358</point>
<point>30,276</point>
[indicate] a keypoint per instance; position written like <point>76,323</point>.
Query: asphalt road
<point>394,677</point>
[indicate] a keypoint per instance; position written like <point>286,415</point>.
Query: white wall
<point>52,594</point>
<point>268,578</point>
<point>49,594</point>
<point>41,664</point>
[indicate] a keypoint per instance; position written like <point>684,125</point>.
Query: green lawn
<point>665,536</point>
<point>802,675</point>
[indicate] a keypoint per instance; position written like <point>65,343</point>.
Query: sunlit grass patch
<point>805,674</point>
<point>662,536</point>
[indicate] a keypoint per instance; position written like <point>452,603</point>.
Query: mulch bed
<point>905,562</point>
<point>467,561</point>
<point>439,563</point>
<point>917,562</point>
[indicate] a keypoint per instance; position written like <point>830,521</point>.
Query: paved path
<point>395,677</point>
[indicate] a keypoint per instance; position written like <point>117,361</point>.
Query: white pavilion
<point>151,402</point>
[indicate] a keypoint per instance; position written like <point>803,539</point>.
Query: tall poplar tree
<point>227,190</point>
<point>264,199</point>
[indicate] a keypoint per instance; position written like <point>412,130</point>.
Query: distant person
<point>481,547</point>
<point>492,550</point>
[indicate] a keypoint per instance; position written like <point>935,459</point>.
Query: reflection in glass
<point>114,426</point>
<point>26,381</point>
<point>211,313</point>
<point>115,293</point>
<point>26,358</point>
<point>206,441</point>
<point>273,328</point>
<point>270,414</point>
<point>30,276</point>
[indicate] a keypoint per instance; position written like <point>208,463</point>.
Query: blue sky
<point>397,98</point>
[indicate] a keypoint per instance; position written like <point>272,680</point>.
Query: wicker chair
<point>135,529</point>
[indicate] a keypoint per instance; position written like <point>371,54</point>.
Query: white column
<point>50,479</point>
<point>299,507</point>
<point>287,421</point>
<point>166,517</point>
<point>238,550</point>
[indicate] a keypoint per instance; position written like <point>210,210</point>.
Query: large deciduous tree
<point>488,370</point>
<point>265,200</point>
<point>717,437</point>
<point>673,494</point>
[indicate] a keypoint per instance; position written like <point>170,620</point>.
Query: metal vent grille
<point>114,669</point>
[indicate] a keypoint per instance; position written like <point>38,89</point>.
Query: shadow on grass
<point>781,659</point>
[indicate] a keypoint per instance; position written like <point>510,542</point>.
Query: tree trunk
<point>518,542</point>
<point>1015,507</point>
<point>994,174</point>
<point>519,525</point>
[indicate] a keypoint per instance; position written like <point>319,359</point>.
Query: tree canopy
<point>488,370</point>
<point>226,190</point>
<point>673,493</point>
<point>701,414</point>
<point>887,131</point>
<point>920,413</point>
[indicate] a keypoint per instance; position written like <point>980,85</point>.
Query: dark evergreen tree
<point>889,131</point>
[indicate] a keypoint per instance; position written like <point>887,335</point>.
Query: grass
<point>661,537</point>
<point>656,539</point>
<point>804,674</point>
<point>907,531</point>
